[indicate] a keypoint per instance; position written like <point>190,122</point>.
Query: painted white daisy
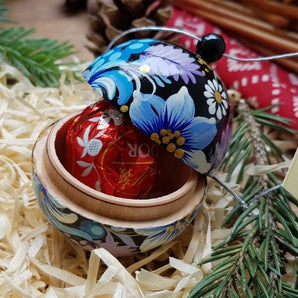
<point>216,99</point>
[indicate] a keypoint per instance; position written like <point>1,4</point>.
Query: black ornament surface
<point>169,93</point>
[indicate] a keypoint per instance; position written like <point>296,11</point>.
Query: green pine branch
<point>4,14</point>
<point>39,59</point>
<point>251,262</point>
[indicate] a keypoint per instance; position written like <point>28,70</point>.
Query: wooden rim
<point>190,183</point>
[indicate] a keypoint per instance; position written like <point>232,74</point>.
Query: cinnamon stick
<point>239,10</point>
<point>229,21</point>
<point>236,7</point>
<point>225,9</point>
<point>272,18</point>
<point>286,10</point>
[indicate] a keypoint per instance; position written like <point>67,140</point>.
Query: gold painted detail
<point>173,141</point>
<point>178,226</point>
<point>144,68</point>
<point>124,108</point>
<point>218,97</point>
<point>170,229</point>
<point>204,65</point>
<point>41,194</point>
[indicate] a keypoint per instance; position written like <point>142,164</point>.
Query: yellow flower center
<point>170,229</point>
<point>171,147</point>
<point>172,141</point>
<point>218,97</point>
<point>179,225</point>
<point>179,153</point>
<point>165,140</point>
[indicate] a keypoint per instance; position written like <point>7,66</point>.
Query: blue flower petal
<point>107,83</point>
<point>105,86</point>
<point>147,112</point>
<point>93,229</point>
<point>180,109</point>
<point>48,210</point>
<point>199,133</point>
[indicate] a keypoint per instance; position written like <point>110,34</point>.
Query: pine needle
<point>251,262</point>
<point>39,59</point>
<point>4,14</point>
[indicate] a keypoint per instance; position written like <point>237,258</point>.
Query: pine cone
<point>74,6</point>
<point>108,18</point>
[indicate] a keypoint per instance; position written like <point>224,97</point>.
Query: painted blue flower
<point>164,234</point>
<point>61,217</point>
<point>92,228</point>
<point>160,235</point>
<point>172,123</point>
<point>105,76</point>
<point>138,65</point>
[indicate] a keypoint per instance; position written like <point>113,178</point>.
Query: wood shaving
<point>36,260</point>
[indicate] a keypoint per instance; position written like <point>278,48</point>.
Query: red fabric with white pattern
<point>261,83</point>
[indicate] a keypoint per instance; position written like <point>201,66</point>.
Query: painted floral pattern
<point>169,93</point>
<point>64,219</point>
<point>172,124</point>
<point>221,147</point>
<point>120,241</point>
<point>155,64</point>
<point>164,234</point>
<point>116,243</point>
<point>216,99</point>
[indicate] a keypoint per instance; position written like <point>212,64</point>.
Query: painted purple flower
<point>167,61</point>
<point>221,147</point>
<point>129,248</point>
<point>130,66</point>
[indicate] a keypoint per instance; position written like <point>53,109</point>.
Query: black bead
<point>211,47</point>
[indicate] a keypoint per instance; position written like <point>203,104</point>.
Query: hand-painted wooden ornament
<point>169,93</point>
<point>95,219</point>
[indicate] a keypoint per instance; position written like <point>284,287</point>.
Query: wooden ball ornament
<point>94,219</point>
<point>171,94</point>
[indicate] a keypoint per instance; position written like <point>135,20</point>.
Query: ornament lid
<point>169,93</point>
